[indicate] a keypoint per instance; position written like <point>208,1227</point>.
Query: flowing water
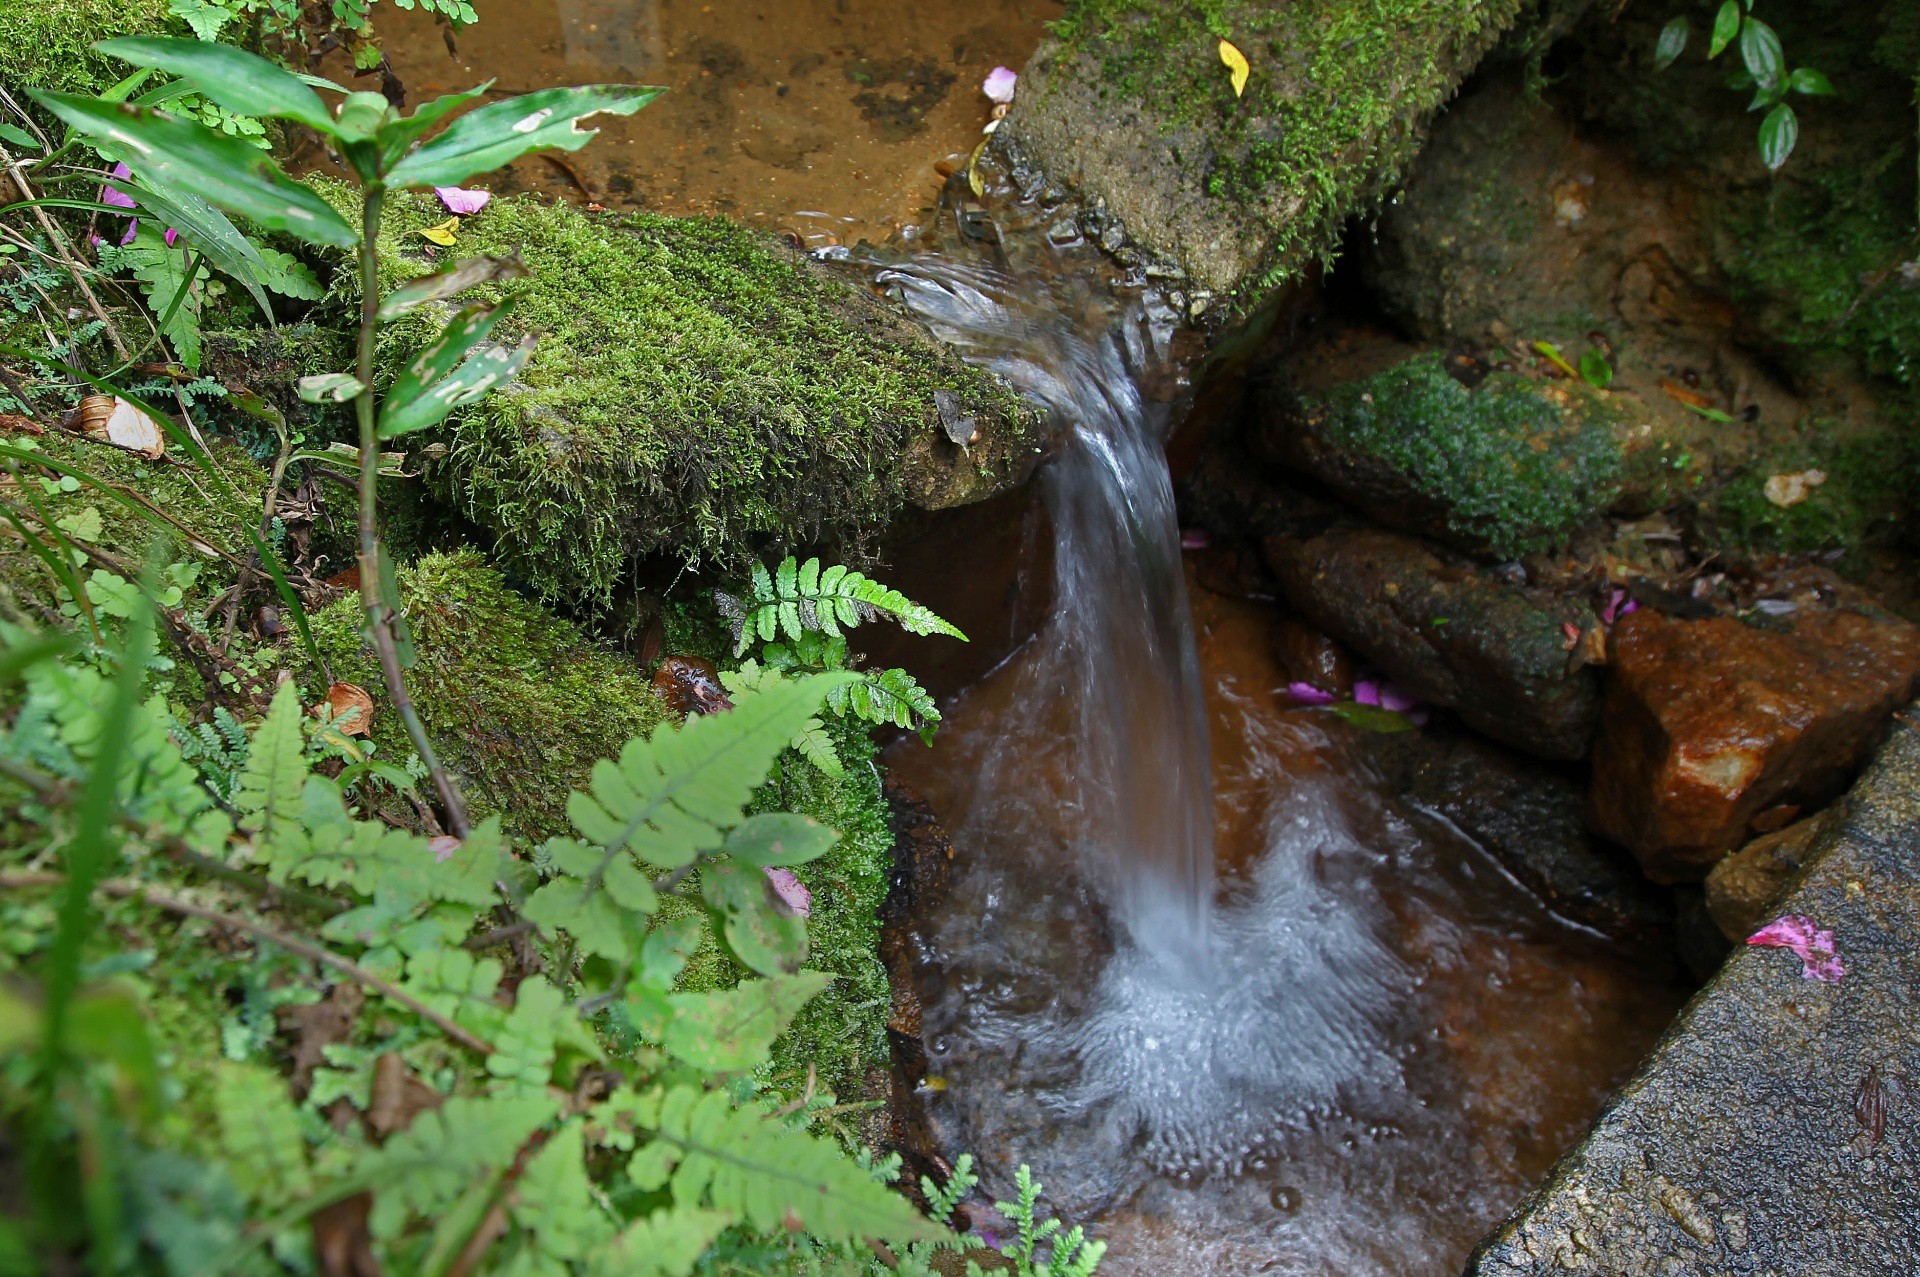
<point>1240,1010</point>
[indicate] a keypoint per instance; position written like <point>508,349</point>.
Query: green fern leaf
<point>672,796</point>
<point>368,856</point>
<point>739,1161</point>
<point>761,932</point>
<point>731,1030</point>
<point>816,746</point>
<point>424,1169</point>
<point>260,1135</point>
<point>554,1201</point>
<point>269,798</point>
<point>666,1243</point>
<point>802,599</point>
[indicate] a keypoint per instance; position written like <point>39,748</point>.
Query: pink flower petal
<point>442,846</point>
<point>1195,538</point>
<point>462,202</point>
<point>999,84</point>
<point>1397,699</point>
<point>1819,958</point>
<point>1366,692</point>
<point>133,228</point>
<point>792,892</point>
<point>171,236</point>
<point>1308,694</point>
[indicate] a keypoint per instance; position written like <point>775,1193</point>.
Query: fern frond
<point>889,697</point>
<point>802,598</point>
<point>375,859</point>
<point>739,1161</point>
<point>667,1243</point>
<point>260,1135</point>
<point>816,746</point>
<point>421,1171</point>
<point>269,797</point>
<point>671,796</point>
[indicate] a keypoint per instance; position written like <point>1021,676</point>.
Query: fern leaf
<point>260,1134</point>
<point>555,1202</point>
<point>801,599</point>
<point>739,1161</point>
<point>269,797</point>
<point>671,796</point>
<point>424,1169</point>
<point>730,1030</point>
<point>816,747</point>
<point>368,856</point>
<point>666,1243</point>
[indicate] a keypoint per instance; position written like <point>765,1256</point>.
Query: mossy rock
<point>1129,105</point>
<point>1865,493</point>
<point>1510,466</point>
<point>699,392</point>
<point>48,44</point>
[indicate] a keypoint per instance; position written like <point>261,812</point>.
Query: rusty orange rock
<point>1710,722</point>
<point>691,685</point>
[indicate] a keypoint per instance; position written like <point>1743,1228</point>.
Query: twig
<point>59,242</point>
<point>14,388</point>
<point>261,931</point>
<point>571,172</point>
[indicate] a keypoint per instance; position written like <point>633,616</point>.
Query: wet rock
<point>1529,816</point>
<point>1742,887</point>
<point>1696,937</point>
<point>1307,655</point>
<point>1511,464</point>
<point>1130,107</point>
<point>1453,635</point>
<point>1710,722</point>
<point>1776,1129</point>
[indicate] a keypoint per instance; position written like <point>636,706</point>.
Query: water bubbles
<point>1285,1199</point>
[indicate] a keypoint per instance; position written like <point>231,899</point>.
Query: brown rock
<point>1741,887</point>
<point>1710,722</point>
<point>691,685</point>
<point>1309,656</point>
<point>1450,634</point>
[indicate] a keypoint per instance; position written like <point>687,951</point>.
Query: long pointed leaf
<point>485,369</point>
<point>234,78</point>
<point>501,132</point>
<point>209,230</point>
<point>225,171</point>
<point>462,275</point>
<point>394,138</point>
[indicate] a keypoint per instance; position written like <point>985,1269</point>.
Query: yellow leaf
<point>443,234</point>
<point>1554,357</point>
<point>1236,64</point>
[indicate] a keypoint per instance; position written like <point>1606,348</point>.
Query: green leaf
<point>667,949</point>
<point>667,1243</point>
<point>225,171</point>
<point>731,1030</point>
<point>557,1204</point>
<point>234,78</point>
<point>779,838</point>
<point>486,368</point>
<point>760,1171</point>
<point>762,932</point>
<point>1778,133</point>
<point>471,273</point>
<point>260,1135</point>
<point>590,917</point>
<point>805,599</point>
<point>1726,25</point>
<point>1371,717</point>
<point>1810,82</point>
<point>1672,43</point>
<point>288,275</point>
<point>671,796</point>
<point>270,794</point>
<point>501,132</point>
<point>425,1168</point>
<point>1760,50</point>
<point>14,136</point>
<point>329,387</point>
<point>816,746</point>
<point>396,135</point>
<point>207,229</point>
<point>1595,369</point>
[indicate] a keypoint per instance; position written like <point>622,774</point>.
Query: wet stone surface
<point>1774,1129</point>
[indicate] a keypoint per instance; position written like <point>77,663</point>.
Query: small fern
<point>798,599</point>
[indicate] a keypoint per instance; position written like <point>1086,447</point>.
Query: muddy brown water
<point>1426,1037</point>
<point>825,118</point>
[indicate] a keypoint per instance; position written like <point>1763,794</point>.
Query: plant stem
<point>372,588</point>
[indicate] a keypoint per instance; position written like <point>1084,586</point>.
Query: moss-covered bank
<point>698,391</point>
<point>48,44</point>
<point>1130,105</point>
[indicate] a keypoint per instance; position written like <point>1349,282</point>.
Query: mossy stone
<point>698,392</point>
<point>48,44</point>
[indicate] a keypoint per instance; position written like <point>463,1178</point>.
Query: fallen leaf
<point>350,710</point>
<point>16,425</point>
<point>315,1026</point>
<point>1553,356</point>
<point>460,202</point>
<point>1786,490</point>
<point>1236,66</point>
<point>397,1096</point>
<point>445,234</point>
<point>114,420</point>
<point>792,892</point>
<point>1819,957</point>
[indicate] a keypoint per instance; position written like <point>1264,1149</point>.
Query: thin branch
<point>261,931</point>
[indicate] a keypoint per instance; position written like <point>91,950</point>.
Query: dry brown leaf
<point>350,708</point>
<point>1691,398</point>
<point>1786,490</point>
<point>317,1026</point>
<point>113,420</point>
<point>397,1096</point>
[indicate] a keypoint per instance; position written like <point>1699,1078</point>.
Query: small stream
<point>1241,1010</point>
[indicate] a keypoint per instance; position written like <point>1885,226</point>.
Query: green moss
<point>1329,119</point>
<point>1517,464</point>
<point>47,44</point>
<point>520,702</point>
<point>1869,488</point>
<point>696,391</point>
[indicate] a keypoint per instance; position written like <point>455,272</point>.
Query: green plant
<point>1766,72</point>
<point>349,21</point>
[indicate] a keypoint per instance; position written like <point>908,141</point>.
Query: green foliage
<point>1515,464</point>
<point>1766,73</point>
<point>50,45</point>
<point>493,1130</point>
<point>798,599</point>
<point>1869,487</point>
